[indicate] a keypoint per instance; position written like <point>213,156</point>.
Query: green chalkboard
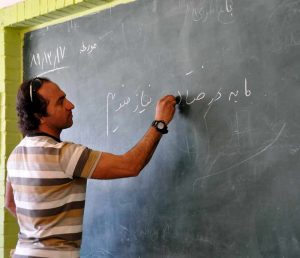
<point>225,180</point>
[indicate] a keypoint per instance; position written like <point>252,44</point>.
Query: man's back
<point>49,194</point>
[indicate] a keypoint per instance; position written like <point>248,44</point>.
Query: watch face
<point>160,125</point>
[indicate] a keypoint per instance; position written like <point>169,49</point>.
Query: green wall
<point>15,20</point>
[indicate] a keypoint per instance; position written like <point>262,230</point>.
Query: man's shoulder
<point>41,141</point>
<point>38,145</point>
<point>46,145</point>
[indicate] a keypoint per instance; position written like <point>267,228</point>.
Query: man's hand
<point>165,109</point>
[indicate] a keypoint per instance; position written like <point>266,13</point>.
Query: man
<point>46,179</point>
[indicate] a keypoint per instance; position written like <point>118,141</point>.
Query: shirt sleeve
<point>77,160</point>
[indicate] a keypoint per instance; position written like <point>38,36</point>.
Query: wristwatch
<point>160,126</point>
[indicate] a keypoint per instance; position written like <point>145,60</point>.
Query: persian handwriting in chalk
<point>140,100</point>
<point>104,37</point>
<point>144,101</point>
<point>50,58</point>
<point>138,103</point>
<point>49,61</point>
<point>87,48</point>
<point>204,10</point>
<point>216,98</point>
<point>190,101</point>
<point>123,104</point>
<point>110,96</point>
<point>72,25</point>
<point>234,95</point>
<point>247,91</point>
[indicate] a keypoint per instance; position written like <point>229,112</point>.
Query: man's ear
<point>39,117</point>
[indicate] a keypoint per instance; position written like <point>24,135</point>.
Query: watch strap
<point>163,130</point>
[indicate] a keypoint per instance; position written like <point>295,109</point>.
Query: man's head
<point>42,106</point>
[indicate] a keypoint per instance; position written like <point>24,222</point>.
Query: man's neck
<point>38,133</point>
<point>49,131</point>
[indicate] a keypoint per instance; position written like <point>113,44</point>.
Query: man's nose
<point>70,105</point>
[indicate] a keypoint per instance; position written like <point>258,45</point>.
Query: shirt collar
<point>32,134</point>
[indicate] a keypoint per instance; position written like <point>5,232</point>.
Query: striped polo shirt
<point>49,178</point>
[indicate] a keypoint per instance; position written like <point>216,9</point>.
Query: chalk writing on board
<point>50,58</point>
<point>52,70</point>
<point>284,26</point>
<point>123,104</point>
<point>189,73</point>
<point>144,101</point>
<point>257,153</point>
<point>110,96</point>
<point>201,11</point>
<point>87,48</point>
<point>72,25</point>
<point>239,131</point>
<point>139,102</point>
<point>105,36</point>
<point>232,96</point>
<point>49,61</point>
<point>294,150</point>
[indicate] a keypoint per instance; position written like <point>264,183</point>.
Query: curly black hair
<point>31,105</point>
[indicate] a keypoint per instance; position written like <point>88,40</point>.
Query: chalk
<point>181,104</point>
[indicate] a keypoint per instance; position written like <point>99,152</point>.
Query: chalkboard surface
<point>225,180</point>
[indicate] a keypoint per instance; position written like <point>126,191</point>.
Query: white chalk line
<point>53,70</point>
<point>245,160</point>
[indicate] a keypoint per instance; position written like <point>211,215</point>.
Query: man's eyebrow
<point>61,98</point>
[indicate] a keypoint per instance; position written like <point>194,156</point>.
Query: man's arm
<point>9,199</point>
<point>131,163</point>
